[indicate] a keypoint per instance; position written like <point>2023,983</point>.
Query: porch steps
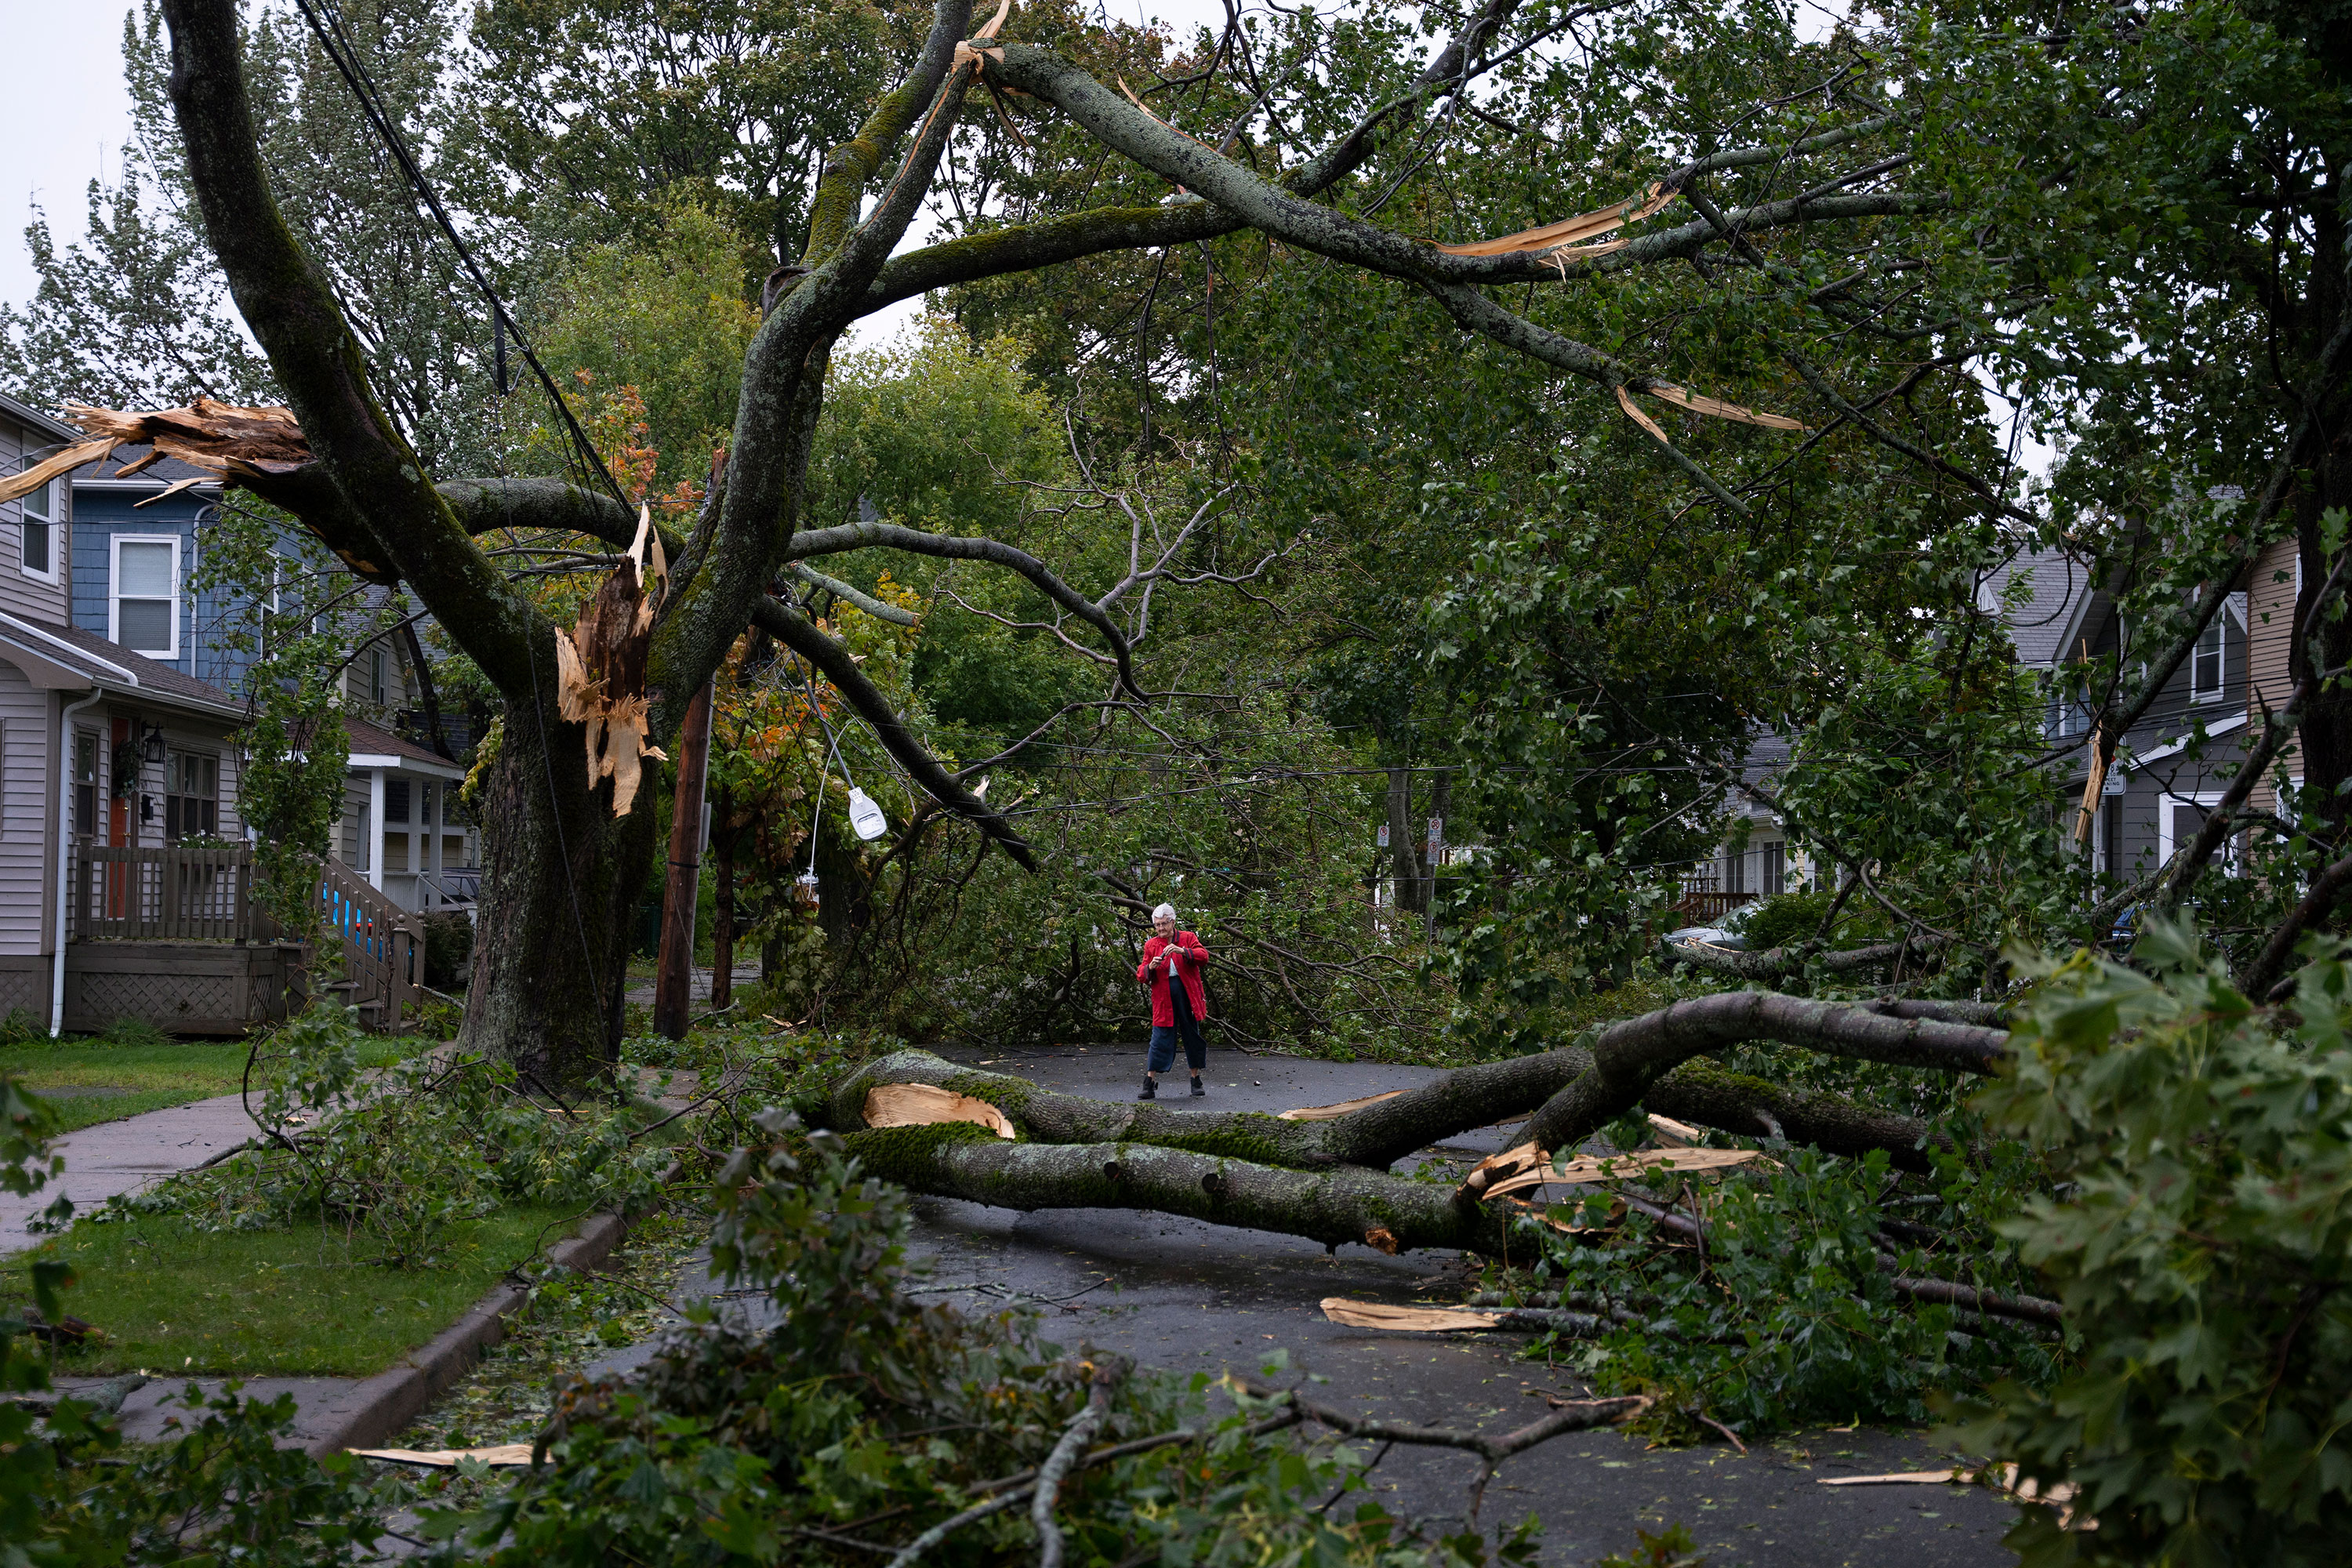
<point>383,949</point>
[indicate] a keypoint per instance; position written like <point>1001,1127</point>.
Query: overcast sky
<point>63,120</point>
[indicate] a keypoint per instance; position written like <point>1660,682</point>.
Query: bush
<point>401,1153</point>
<point>448,949</point>
<point>2203,1249</point>
<point>1785,918</point>
<point>1787,1317</point>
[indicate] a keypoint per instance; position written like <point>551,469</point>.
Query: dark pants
<point>1163,1036</point>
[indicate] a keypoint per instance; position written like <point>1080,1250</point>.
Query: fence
<point>173,892</point>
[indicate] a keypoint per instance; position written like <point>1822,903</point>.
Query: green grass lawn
<point>137,1075</point>
<point>281,1303</point>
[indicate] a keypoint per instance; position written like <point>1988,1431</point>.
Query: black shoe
<point>1150,1090</point>
<point>1197,1090</point>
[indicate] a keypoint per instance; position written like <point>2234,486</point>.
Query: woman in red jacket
<point>1176,1009</point>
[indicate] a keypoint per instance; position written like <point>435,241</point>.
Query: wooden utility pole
<point>674,981</point>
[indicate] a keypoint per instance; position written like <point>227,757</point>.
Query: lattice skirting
<point>181,987</point>
<point>27,990</point>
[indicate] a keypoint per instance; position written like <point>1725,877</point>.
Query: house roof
<point>47,423</point>
<point>375,747</point>
<point>2057,587</point>
<point>154,476</point>
<point>63,657</point>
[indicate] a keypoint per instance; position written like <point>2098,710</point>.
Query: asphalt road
<point>1184,1295</point>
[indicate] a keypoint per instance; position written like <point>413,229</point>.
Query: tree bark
<point>1405,873</point>
<point>1344,1204</point>
<point>560,879</point>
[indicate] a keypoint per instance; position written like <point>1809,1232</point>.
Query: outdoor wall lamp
<point>151,743</point>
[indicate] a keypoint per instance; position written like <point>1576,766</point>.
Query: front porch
<point>169,934</point>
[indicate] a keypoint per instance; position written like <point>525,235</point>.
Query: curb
<point>380,1406</point>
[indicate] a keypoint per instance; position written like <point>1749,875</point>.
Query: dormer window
<point>37,553</point>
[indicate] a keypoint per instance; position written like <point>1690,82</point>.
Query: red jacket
<point>1153,972</point>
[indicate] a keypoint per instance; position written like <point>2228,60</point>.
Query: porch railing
<point>382,960</point>
<point>1701,904</point>
<point>173,892</point>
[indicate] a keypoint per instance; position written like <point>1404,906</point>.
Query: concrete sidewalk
<point>124,1156</point>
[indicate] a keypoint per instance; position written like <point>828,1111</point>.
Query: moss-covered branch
<point>1342,1204</point>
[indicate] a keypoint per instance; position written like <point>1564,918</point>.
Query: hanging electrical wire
<point>326,21</point>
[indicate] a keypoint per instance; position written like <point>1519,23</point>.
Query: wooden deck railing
<point>382,956</point>
<point>172,892</point>
<point>1703,904</point>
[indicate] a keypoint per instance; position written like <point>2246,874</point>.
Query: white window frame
<point>54,523</point>
<point>114,590</point>
<point>2217,631</point>
<point>2202,801</point>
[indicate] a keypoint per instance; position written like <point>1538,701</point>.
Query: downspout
<point>65,857</point>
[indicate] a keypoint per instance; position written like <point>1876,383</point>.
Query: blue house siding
<point>107,509</point>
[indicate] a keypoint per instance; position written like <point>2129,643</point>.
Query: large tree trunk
<point>560,879</point>
<point>1328,1179</point>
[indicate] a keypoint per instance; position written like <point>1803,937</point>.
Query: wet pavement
<point>1189,1296</point>
<point>122,1156</point>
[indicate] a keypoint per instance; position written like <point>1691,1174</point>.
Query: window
<point>2209,666</point>
<point>38,550</point>
<point>1776,868</point>
<point>395,802</point>
<point>375,676</point>
<point>85,774</point>
<point>146,601</point>
<point>191,796</point>
<point>1735,871</point>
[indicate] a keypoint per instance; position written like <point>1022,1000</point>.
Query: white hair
<point>1164,913</point>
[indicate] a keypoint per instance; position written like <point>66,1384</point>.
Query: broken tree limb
<point>1629,1057</point>
<point>1779,962</point>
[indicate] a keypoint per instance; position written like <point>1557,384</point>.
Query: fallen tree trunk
<point>1342,1203</point>
<point>1649,1057</point>
<point>1630,1057</point>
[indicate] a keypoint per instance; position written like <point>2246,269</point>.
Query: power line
<point>327,25</point>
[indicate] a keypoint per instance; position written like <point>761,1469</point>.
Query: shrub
<point>1787,1316</point>
<point>1785,918</point>
<point>402,1153</point>
<point>448,949</point>
<point>2203,1249</point>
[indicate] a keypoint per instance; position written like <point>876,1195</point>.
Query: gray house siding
<point>26,723</point>
<point>25,438</point>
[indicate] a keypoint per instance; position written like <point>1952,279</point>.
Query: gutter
<point>113,675</point>
<point>27,628</point>
<point>65,856</point>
